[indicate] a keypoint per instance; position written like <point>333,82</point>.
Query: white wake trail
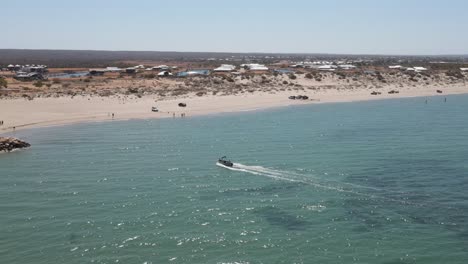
<point>299,178</point>
<point>282,174</point>
<point>278,175</point>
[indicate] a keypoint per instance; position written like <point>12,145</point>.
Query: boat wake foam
<point>355,189</point>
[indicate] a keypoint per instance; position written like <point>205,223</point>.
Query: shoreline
<point>47,112</point>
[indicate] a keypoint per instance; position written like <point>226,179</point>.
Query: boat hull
<point>225,163</point>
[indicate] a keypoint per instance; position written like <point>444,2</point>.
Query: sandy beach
<point>23,113</point>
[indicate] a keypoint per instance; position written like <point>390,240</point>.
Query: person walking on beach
<point>112,115</point>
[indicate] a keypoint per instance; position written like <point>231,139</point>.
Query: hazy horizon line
<point>250,52</point>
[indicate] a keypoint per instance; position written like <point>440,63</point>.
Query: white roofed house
<point>255,67</point>
<point>12,67</point>
<point>161,68</point>
<point>464,69</point>
<point>347,67</point>
<point>327,68</point>
<point>395,67</point>
<point>131,70</point>
<point>97,71</point>
<point>419,69</point>
<point>225,68</point>
<point>113,69</point>
<point>164,74</point>
<point>28,76</point>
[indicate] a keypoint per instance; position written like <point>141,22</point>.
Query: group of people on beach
<point>2,122</point>
<point>174,114</point>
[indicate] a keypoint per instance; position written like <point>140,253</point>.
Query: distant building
<point>102,71</point>
<point>463,69</point>
<point>97,71</point>
<point>225,68</point>
<point>419,69</point>
<point>255,67</point>
<point>113,69</point>
<point>161,68</point>
<point>31,76</point>
<point>35,68</point>
<point>131,70</point>
<point>27,68</point>
<point>327,68</point>
<point>395,67</point>
<point>347,67</point>
<point>193,73</point>
<point>164,74</point>
<point>284,71</point>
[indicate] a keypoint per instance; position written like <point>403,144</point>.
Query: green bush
<point>149,76</point>
<point>38,84</point>
<point>3,82</point>
<point>132,90</point>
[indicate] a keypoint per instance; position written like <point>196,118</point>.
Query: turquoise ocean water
<point>369,182</point>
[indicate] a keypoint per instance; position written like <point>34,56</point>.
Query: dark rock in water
<point>8,144</point>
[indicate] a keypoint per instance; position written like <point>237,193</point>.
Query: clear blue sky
<point>294,26</point>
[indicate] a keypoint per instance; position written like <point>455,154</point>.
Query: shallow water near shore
<point>367,182</point>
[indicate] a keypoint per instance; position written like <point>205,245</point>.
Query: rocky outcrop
<point>8,144</point>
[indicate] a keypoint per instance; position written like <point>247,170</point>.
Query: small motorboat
<point>224,161</point>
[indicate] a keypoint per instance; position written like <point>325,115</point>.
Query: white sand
<point>22,113</point>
